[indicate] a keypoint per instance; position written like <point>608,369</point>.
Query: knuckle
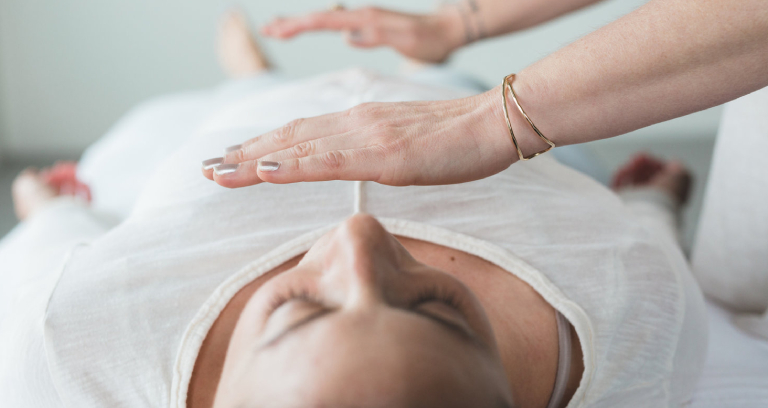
<point>238,155</point>
<point>304,149</point>
<point>367,110</point>
<point>370,12</point>
<point>298,167</point>
<point>394,147</point>
<point>287,133</point>
<point>381,150</point>
<point>376,35</point>
<point>280,136</point>
<point>410,43</point>
<point>359,110</point>
<point>316,19</point>
<point>382,129</point>
<point>333,160</point>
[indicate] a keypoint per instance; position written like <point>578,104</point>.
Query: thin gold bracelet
<point>507,84</point>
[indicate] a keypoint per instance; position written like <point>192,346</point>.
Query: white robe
<point>127,314</point>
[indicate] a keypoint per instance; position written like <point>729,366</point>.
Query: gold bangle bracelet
<point>507,85</point>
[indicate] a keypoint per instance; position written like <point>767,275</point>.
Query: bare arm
<point>503,16</point>
<point>667,59</point>
<point>428,37</point>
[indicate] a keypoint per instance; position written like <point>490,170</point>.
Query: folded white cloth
<point>730,254</point>
<point>31,258</point>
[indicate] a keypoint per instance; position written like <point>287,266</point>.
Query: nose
<point>364,258</point>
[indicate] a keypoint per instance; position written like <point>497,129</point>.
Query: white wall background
<point>69,69</point>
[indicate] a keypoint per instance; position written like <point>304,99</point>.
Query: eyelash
<point>435,293</point>
<point>425,295</point>
<point>282,298</point>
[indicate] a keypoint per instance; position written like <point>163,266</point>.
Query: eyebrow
<point>445,324</point>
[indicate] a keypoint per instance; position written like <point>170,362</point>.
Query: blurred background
<point>70,69</point>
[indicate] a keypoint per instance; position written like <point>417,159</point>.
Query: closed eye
<point>424,304</point>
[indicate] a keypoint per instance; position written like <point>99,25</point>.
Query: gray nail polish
<point>211,163</point>
<point>355,35</point>
<point>227,168</point>
<point>268,165</point>
<point>231,149</point>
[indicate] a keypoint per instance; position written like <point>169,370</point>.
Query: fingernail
<point>227,168</point>
<point>355,36</point>
<point>211,163</point>
<point>268,165</point>
<point>231,149</point>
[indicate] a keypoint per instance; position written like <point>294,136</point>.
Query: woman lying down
<point>536,287</point>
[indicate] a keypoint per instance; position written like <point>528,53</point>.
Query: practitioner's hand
<point>428,38</point>
<point>404,143</point>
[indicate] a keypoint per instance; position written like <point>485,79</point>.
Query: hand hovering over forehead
<point>404,143</point>
<point>425,37</point>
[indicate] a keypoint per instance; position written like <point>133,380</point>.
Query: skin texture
<point>350,145</point>
<point>428,38</point>
<point>238,51</point>
<point>424,37</point>
<point>33,190</point>
<point>667,59</point>
<point>378,301</point>
<point>643,170</point>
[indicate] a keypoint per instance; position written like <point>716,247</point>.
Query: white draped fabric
<point>128,311</point>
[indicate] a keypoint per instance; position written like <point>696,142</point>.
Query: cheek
<point>261,380</point>
<point>245,336</point>
<point>250,322</point>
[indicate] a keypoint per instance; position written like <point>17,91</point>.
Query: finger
<point>208,173</point>
<point>363,38</point>
<point>389,29</point>
<point>207,166</point>
<point>352,164</point>
<point>293,133</point>
<point>338,20</point>
<point>344,141</point>
<point>237,175</point>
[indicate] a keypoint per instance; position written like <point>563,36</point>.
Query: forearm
<point>471,20</point>
<point>504,16</point>
<point>667,59</point>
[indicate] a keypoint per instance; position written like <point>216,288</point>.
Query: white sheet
<point>736,371</point>
<point>735,375</point>
<point>733,227</point>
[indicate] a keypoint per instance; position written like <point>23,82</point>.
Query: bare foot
<point>643,170</point>
<point>239,53</point>
<point>33,190</point>
<point>30,193</point>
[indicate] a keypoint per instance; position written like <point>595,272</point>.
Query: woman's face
<point>360,323</point>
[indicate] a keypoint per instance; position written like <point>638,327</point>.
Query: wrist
<point>542,106</point>
<point>451,27</point>
<point>528,141</point>
<point>489,126</point>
